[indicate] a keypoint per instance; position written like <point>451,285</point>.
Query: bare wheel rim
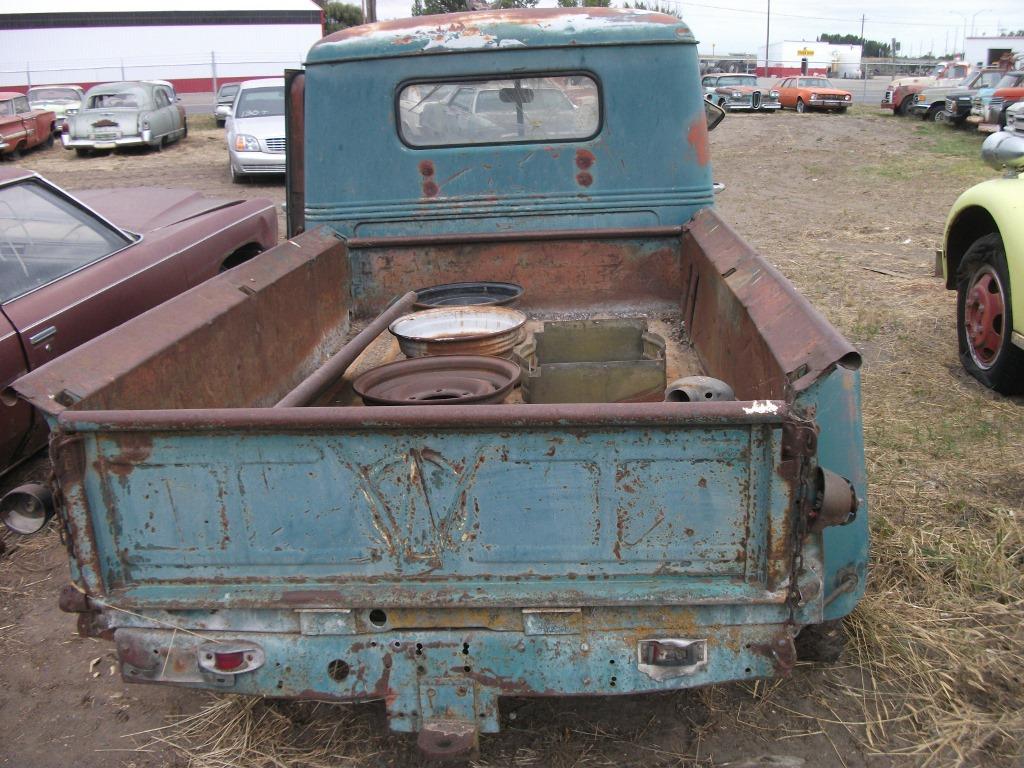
<point>984,314</point>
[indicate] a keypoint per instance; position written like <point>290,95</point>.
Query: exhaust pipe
<point>27,509</point>
<point>1004,150</point>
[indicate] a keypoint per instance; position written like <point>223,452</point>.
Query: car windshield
<point>227,92</point>
<point>499,111</point>
<point>54,95</point>
<point>814,82</point>
<point>735,80</point>
<point>129,98</point>
<point>988,79</point>
<point>260,102</point>
<point>43,236</point>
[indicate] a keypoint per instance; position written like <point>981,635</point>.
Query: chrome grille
<point>275,168</point>
<point>275,145</point>
<point>997,102</point>
<point>951,106</point>
<point>755,99</point>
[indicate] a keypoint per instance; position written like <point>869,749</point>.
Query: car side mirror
<point>714,114</point>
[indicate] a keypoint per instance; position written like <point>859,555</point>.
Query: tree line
<point>872,48</point>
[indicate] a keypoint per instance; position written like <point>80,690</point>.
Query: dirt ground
<point>851,208</point>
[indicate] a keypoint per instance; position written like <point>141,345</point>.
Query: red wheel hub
<point>983,316</point>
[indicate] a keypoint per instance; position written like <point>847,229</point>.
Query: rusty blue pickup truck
<point>667,492</point>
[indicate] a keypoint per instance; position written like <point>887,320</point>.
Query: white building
<point>789,57</point>
<point>988,50</point>
<point>189,42</point>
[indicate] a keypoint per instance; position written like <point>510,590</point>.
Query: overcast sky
<point>739,25</point>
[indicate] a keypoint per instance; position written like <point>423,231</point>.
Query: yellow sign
<point>805,52</point>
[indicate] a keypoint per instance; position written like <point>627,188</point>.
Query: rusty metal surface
<point>480,293</point>
<point>436,380</point>
<point>209,346</point>
<point>750,326</point>
<point>639,272</point>
<point>320,380</point>
<point>295,151</point>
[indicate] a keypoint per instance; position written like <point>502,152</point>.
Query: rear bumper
<point>124,141</point>
<point>425,675</point>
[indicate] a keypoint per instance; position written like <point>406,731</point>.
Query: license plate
<point>105,145</point>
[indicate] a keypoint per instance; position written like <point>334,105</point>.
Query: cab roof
<point>475,30</point>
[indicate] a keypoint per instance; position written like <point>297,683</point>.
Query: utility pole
<point>863,66</point>
<point>767,34</point>
<point>369,11</point>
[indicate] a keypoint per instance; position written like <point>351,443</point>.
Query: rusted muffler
<point>833,501</point>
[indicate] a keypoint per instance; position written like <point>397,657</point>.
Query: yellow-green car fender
<point>992,206</point>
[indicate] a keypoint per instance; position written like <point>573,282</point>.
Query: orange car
<point>804,93</point>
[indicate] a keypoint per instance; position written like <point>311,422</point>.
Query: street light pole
<point>767,34</point>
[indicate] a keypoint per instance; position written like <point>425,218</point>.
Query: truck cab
<point>220,472</point>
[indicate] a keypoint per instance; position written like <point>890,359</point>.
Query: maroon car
<point>72,268</point>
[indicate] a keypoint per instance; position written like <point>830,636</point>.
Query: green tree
<point>872,48</point>
<point>654,7</point>
<point>432,7</point>
<point>514,4</point>
<point>584,3</point>
<point>341,15</point>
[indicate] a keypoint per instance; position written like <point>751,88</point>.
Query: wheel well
<point>972,223</point>
<point>241,255</point>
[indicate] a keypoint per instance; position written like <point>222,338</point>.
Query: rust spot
<point>584,179</point>
<point>698,138</point>
<point>430,189</point>
<point>426,168</point>
<point>584,159</point>
<point>702,483</point>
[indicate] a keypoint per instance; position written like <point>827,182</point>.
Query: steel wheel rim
<point>984,316</point>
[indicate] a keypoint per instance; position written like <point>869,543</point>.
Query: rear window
<point>499,111</point>
<point>130,98</point>
<point>260,102</point>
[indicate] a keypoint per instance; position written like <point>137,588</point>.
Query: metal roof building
<point>192,43</point>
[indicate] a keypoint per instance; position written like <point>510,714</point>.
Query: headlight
<point>27,509</point>
<point>245,143</point>
<point>737,95</point>
<point>774,94</point>
<point>71,111</point>
<point>847,97</point>
<point>921,98</point>
<point>814,97</point>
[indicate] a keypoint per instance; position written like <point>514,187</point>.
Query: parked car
<point>952,102</point>
<point>991,112</point>
<point>255,129</point>
<point>900,94</point>
<point>71,268</point>
<point>805,93</point>
<point>62,100</point>
<point>1015,119</point>
<point>21,126</point>
<point>983,260</point>
<point>740,93</point>
<point>125,114</point>
<point>225,97</point>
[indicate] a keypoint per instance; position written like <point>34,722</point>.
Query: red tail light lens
<point>228,662</point>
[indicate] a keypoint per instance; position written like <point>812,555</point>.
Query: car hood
<point>740,88</point>
<point>60,107</point>
<point>146,209</point>
<point>824,91</point>
<point>271,126</point>
<point>896,83</point>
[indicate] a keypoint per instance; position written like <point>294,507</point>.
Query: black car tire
<point>1004,373</point>
<point>800,106</point>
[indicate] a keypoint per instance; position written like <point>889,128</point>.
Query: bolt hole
<point>613,683</point>
<point>465,649</point>
<point>397,644</point>
<point>708,395</point>
<point>373,643</point>
<point>421,670</point>
<point>280,684</point>
<point>378,617</point>
<point>338,670</point>
<point>248,657</point>
<point>466,668</point>
<point>614,678</point>
<point>747,670</point>
<point>611,661</point>
<point>444,743</point>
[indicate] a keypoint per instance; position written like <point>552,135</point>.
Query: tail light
<point>230,658</point>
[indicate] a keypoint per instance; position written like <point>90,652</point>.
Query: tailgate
<point>633,503</point>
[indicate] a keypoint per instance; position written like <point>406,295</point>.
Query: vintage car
<point>805,93</point>
<point>991,112</point>
<point>952,102</point>
<point>62,100</point>
<point>71,268</point>
<point>739,93</point>
<point>225,97</point>
<point>21,126</point>
<point>255,129</point>
<point>1015,119</point>
<point>899,96</point>
<point>125,114</point>
<point>983,260</point>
